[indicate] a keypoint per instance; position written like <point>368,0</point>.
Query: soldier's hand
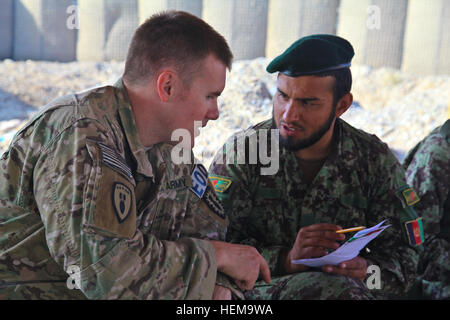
<point>312,242</point>
<point>242,263</point>
<point>355,268</point>
<point>221,293</point>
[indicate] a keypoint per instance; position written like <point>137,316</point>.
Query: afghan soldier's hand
<point>242,263</point>
<point>312,242</point>
<point>355,268</point>
<point>221,293</point>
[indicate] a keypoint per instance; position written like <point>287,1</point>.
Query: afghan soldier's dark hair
<point>342,84</point>
<point>173,38</point>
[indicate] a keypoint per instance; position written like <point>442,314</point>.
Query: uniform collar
<point>129,125</point>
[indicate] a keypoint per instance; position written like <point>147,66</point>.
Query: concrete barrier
<point>376,30</point>
<point>290,20</point>
<point>242,23</point>
<point>40,31</point>
<point>407,34</point>
<point>352,25</point>
<point>384,45</point>
<point>427,38</point>
<point>6,29</point>
<point>148,8</point>
<point>106,29</point>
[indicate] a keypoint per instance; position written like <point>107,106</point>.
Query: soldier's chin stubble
<point>295,145</point>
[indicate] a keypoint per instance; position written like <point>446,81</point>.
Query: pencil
<point>350,229</point>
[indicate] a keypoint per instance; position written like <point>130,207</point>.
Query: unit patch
<point>220,184</point>
<point>114,160</point>
<point>199,180</point>
<point>410,196</point>
<point>414,230</point>
<point>122,200</point>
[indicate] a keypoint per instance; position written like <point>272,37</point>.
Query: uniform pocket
<point>111,202</point>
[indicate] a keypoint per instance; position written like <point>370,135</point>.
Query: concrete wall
<point>304,18</point>
<point>6,28</point>
<point>427,37</point>
<point>106,28</point>
<point>411,35</point>
<point>40,31</point>
<point>242,23</point>
<point>147,8</point>
<point>376,30</point>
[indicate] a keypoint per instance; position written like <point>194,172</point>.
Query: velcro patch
<point>199,180</point>
<point>220,184</point>
<point>114,160</point>
<point>414,230</point>
<point>410,196</point>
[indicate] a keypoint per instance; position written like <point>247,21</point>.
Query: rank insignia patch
<point>214,203</point>
<point>410,196</point>
<point>414,230</point>
<point>122,200</point>
<point>220,184</point>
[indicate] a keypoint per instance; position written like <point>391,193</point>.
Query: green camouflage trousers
<point>310,286</point>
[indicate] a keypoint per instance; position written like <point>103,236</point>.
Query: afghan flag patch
<point>414,230</point>
<point>220,184</point>
<point>410,196</point>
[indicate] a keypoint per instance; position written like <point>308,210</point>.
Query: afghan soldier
<point>88,188</point>
<point>330,176</point>
<point>428,171</point>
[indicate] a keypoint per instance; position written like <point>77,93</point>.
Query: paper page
<point>348,250</point>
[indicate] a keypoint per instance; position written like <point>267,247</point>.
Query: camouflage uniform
<point>428,171</point>
<point>77,188</point>
<point>360,183</point>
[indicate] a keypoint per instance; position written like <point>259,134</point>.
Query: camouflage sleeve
<point>392,199</point>
<point>429,174</point>
<point>234,186</point>
<point>428,171</point>
<point>89,213</point>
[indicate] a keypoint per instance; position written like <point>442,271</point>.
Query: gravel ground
<point>399,108</point>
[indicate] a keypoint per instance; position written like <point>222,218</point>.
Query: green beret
<point>313,54</point>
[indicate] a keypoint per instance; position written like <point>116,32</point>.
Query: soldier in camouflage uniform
<point>428,171</point>
<point>330,178</point>
<point>88,187</point>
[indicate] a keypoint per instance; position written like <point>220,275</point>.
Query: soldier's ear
<point>165,84</point>
<point>343,104</point>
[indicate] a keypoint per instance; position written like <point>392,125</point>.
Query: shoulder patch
<point>114,160</point>
<point>410,196</point>
<point>414,230</point>
<point>199,180</point>
<point>122,198</point>
<point>221,184</point>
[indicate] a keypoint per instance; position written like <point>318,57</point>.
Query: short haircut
<point>173,38</point>
<point>342,83</point>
